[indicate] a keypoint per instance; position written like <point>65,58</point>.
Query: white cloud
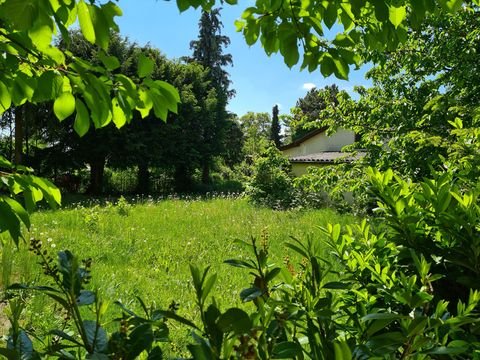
<point>309,86</point>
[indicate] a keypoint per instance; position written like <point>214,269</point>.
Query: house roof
<point>328,157</point>
<point>304,138</point>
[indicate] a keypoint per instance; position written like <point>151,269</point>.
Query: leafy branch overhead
<point>35,70</point>
<point>331,35</point>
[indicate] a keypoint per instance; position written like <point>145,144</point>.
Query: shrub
<point>271,184</point>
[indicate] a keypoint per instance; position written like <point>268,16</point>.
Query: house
<point>318,149</point>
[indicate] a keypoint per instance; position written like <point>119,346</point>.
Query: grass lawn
<point>145,249</point>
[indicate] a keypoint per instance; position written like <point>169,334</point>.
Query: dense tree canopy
<point>419,91</point>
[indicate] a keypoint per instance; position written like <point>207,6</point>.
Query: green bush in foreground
<point>404,289</point>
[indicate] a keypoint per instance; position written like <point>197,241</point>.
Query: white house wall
<point>322,142</point>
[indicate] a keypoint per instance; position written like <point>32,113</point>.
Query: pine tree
<point>275,128</point>
<point>208,51</point>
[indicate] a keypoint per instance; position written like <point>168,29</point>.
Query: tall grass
<point>145,249</point>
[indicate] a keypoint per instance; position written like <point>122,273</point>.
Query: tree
<point>208,51</point>
<point>256,129</point>
<point>419,90</point>
<point>275,128</point>
<point>306,116</point>
<point>234,141</point>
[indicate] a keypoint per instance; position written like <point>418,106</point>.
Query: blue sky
<point>260,81</point>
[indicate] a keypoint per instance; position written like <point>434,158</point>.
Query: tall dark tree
<point>275,128</point>
<point>208,51</point>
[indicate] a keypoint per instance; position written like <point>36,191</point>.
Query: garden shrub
<point>271,184</point>
<point>341,186</point>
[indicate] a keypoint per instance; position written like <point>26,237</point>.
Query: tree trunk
<point>206,173</point>
<point>28,121</point>
<point>183,181</point>
<point>19,117</point>
<point>97,169</point>
<point>143,179</point>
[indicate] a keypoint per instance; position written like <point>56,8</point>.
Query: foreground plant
<point>403,285</point>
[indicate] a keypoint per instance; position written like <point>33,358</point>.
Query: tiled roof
<point>328,157</point>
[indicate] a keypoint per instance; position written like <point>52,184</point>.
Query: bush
<point>341,186</point>
<point>271,184</point>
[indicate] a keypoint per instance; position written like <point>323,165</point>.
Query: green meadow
<point>145,249</point>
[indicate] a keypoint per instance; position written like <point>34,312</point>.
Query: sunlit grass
<point>147,252</point>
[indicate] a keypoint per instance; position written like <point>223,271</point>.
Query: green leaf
<point>9,222</point>
<point>49,86</point>
<point>146,103</point>
<point>381,10</point>
<point>65,336</point>
<point>288,44</point>
<point>342,350</point>
<point>377,325</point>
<point>417,326</point>
<point>272,274</point>
<point>396,15</point>
<point>119,118</point>
<point>239,263</point>
<point>86,297</point>
<point>155,354</point>
<point>173,316</point>
<point>140,339</point>
<point>443,350</point>
<point>100,25</point>
<point>82,120</point>
<point>50,191</point>
<point>170,94</point>
<point>145,66</point>
<point>85,20</point>
<point>341,68</point>
<point>110,62</point>
<point>96,336</point>
<point>327,65</point>
<point>183,5</point>
<point>383,316</point>
<point>18,209</point>
<point>208,285</point>
<point>21,13</point>
<point>286,350</point>
<point>451,5</point>
<point>5,98</point>
<point>330,14</point>
<point>250,294</point>
<point>159,104</point>
<point>336,285</point>
<point>24,347</point>
<point>64,106</point>
<point>236,321</point>
<point>41,35</point>
<point>335,232</point>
